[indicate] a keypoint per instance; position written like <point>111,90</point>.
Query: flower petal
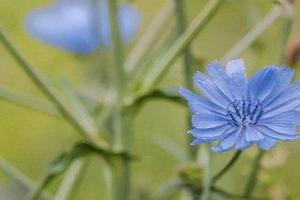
<point>64,24</point>
<point>129,19</point>
<point>202,139</point>
<point>218,75</point>
<point>199,104</point>
<point>290,133</point>
<point>262,83</point>
<point>241,142</point>
<point>282,82</point>
<point>69,24</point>
<point>227,143</point>
<point>211,132</point>
<point>267,143</point>
<point>203,121</point>
<point>292,117</point>
<point>236,71</point>
<point>210,90</point>
<point>286,101</point>
<point>253,135</point>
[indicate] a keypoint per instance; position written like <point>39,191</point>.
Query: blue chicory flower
<point>239,112</point>
<point>81,26</point>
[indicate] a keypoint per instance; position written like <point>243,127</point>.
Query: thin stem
<point>42,183</point>
<point>70,180</point>
<point>149,38</point>
<point>119,169</point>
<point>117,48</point>
<point>42,83</point>
<point>154,74</point>
<point>121,172</point>
<point>227,167</point>
<point>20,178</point>
<point>119,72</point>
<point>189,68</point>
<point>252,180</point>
<point>34,104</point>
<point>251,36</point>
<point>287,28</point>
<point>207,181</point>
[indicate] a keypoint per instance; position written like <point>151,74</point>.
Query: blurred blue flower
<point>238,113</point>
<point>81,26</point>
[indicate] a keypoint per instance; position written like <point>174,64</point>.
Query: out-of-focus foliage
<point>31,140</point>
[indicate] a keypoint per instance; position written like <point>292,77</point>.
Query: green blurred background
<point>30,140</point>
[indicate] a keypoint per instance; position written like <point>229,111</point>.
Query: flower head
<point>80,26</point>
<point>239,112</point>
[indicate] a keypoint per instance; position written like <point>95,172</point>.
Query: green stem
<point>19,178</point>
<point>207,182</point>
<point>119,72</point>
<point>118,49</point>
<point>227,167</point>
<point>287,28</point>
<point>154,74</point>
<point>119,169</point>
<point>70,180</point>
<point>120,172</point>
<point>148,39</point>
<point>252,35</point>
<point>42,183</point>
<point>251,183</point>
<point>42,83</point>
<point>189,68</point>
<point>34,104</point>
<point>252,180</point>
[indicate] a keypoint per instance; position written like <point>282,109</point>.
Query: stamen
<point>244,112</point>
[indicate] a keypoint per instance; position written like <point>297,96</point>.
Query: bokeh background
<point>30,140</point>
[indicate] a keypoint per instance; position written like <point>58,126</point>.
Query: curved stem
<point>189,68</point>
<point>87,131</point>
<point>152,76</point>
<point>20,178</point>
<point>251,183</point>
<point>227,167</point>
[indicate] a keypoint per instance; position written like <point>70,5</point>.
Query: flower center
<point>244,112</point>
